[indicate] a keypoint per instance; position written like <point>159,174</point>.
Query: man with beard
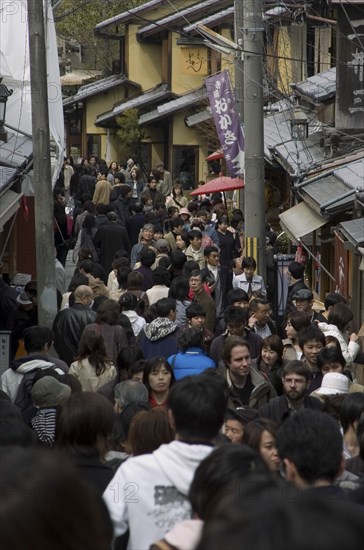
<point>295,378</point>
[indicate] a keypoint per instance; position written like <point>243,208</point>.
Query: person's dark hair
<point>332,405</point>
<point>189,267</point>
<point>89,223</point>
<point>333,298</point>
<point>153,365</point>
<point>190,338</point>
<point>164,306</point>
<point>230,343</point>
<point>15,433</point>
<point>148,431</point>
<point>194,234</point>
<point>78,279</point>
<point>108,313</point>
<point>340,315</point>
<point>332,340</point>
<point>254,430</point>
<point>196,273</point>
<point>161,276</point>
<point>136,368</point>
<point>299,320</point>
<point>122,276</point>
<point>178,258</point>
<point>165,263</point>
<point>179,289</point>
<point>128,356</point>
<point>209,249</point>
<point>237,295</point>
<point>224,466</point>
<point>248,262</point>
<point>36,337</point>
<point>296,367</point>
<point>198,407</point>
<point>92,347</point>
<point>330,355</point>
<point>83,420</point>
<point>275,343</point>
<point>137,207</point>
<point>87,266</point>
<point>195,310</point>
<point>175,222</point>
<point>147,256</point>
<point>310,333</point>
<point>312,441</point>
<point>235,314</point>
<point>135,280</point>
<point>39,488</point>
<point>128,301</point>
<point>285,519</point>
<point>297,270</point>
<point>352,409</point>
<point>236,221</point>
<point>255,302</point>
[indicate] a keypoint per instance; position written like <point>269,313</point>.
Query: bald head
<point>83,294</point>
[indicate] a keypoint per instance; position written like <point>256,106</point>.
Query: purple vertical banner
<point>227,121</point>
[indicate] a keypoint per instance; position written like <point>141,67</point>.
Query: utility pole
<point>43,195</point>
<point>239,71</point>
<point>254,134</point>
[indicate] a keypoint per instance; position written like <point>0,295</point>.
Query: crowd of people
<point>174,412</point>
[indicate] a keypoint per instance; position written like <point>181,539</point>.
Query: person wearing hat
<point>236,420</point>
<point>185,215</point>
<point>26,315</point>
<point>303,301</point>
<point>295,276</point>
<point>47,393</point>
<point>14,381</point>
<point>333,383</point>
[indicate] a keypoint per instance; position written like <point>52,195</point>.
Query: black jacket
<point>225,282</point>
<point>109,239</point>
<point>277,409</point>
<point>68,327</point>
<point>292,289</point>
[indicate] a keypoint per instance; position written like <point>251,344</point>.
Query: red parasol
<point>217,155</point>
<point>219,185</point>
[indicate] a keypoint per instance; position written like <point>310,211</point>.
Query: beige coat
<point>86,375</point>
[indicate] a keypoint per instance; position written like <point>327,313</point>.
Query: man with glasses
<point>259,320</point>
<point>70,322</point>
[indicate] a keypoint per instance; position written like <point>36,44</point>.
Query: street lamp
<point>4,94</point>
<point>299,124</point>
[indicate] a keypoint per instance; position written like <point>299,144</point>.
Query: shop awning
<point>9,204</point>
<point>300,220</point>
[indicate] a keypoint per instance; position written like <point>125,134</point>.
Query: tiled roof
<point>353,230</point>
<point>98,87</point>
<point>319,87</point>
<point>147,98</point>
<point>173,105</point>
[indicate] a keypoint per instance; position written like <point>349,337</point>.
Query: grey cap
<point>49,392</point>
<point>303,294</point>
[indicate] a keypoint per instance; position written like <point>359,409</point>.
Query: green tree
<point>76,20</point>
<point>130,133</point>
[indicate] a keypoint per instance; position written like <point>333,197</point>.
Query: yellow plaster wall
<point>144,61</point>
<point>189,66</point>
<point>101,103</point>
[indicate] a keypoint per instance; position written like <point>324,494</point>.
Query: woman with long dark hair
<point>92,367</point>
<point>158,378</point>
